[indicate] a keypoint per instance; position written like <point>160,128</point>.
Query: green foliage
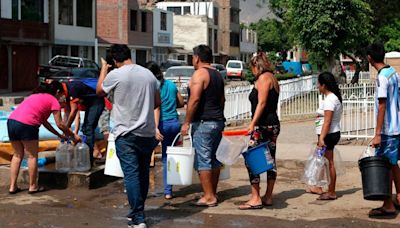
<point>249,76</point>
<point>272,35</point>
<point>285,76</point>
<point>390,36</point>
<point>330,27</point>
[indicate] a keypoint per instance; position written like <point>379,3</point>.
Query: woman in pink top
<point>23,130</point>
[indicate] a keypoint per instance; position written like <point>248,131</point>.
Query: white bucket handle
<point>179,134</point>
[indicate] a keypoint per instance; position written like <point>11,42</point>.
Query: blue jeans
<point>134,153</point>
<point>206,137</point>
<point>93,111</point>
<point>169,129</point>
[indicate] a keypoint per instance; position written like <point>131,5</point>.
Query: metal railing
<point>363,77</point>
<point>300,99</point>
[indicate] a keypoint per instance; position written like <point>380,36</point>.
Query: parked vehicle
<point>235,69</point>
<point>60,62</point>
<point>171,63</point>
<point>221,69</point>
<point>180,75</point>
<point>72,74</point>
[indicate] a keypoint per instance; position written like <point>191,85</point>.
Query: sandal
<point>247,206</point>
<point>15,191</point>
<point>39,189</point>
<point>326,196</point>
<point>380,212</point>
<point>201,204</point>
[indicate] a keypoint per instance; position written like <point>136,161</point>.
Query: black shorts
<point>331,140</point>
<point>18,131</point>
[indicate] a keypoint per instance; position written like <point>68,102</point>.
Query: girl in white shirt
<point>328,127</point>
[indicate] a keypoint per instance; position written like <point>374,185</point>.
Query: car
<point>171,63</point>
<point>235,69</point>
<point>221,69</point>
<point>72,74</point>
<point>180,75</point>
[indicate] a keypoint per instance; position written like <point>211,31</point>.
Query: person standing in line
<point>328,128</point>
<point>387,132</point>
<point>135,98</point>
<point>23,130</point>
<point>205,111</point>
<point>264,126</point>
<point>166,118</point>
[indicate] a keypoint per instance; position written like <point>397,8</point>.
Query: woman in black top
<point>264,126</point>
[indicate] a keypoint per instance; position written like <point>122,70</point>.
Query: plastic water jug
<point>64,157</point>
<point>82,156</point>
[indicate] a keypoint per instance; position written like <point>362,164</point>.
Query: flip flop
<point>251,207</point>
<point>313,192</point>
<point>15,191</point>
<point>40,189</point>
<point>326,197</point>
<point>201,204</point>
<point>267,204</point>
<point>380,212</point>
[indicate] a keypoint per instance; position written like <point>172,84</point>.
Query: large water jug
<point>82,156</point>
<point>63,157</point>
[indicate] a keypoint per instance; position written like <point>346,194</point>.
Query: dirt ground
<point>107,206</point>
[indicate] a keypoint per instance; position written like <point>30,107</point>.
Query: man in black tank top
<point>205,112</point>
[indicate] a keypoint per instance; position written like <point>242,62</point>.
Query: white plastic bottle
<point>82,156</point>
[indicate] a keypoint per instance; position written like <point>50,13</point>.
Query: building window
<point>133,20</point>
<point>216,41</point>
<point>59,50</point>
<point>32,10</point>
<point>163,25</point>
<point>144,21</point>
<point>186,10</point>
<point>235,39</point>
<point>15,7</point>
<point>216,16</point>
<point>75,51</point>
<point>235,16</point>
<point>65,12</point>
<point>84,11</point>
<point>175,10</point>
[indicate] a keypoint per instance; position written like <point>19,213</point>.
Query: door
<point>141,57</point>
<point>3,68</point>
<point>25,61</point>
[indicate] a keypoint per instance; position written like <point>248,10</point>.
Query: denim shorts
<point>18,131</point>
<point>389,148</point>
<point>206,137</point>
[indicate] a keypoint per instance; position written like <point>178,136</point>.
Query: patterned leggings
<point>261,135</point>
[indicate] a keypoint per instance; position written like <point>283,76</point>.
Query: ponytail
<point>327,79</point>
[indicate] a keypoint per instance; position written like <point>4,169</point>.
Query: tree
<point>390,36</point>
<point>272,35</point>
<point>330,27</point>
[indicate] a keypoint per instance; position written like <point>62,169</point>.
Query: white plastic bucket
<point>180,164</point>
<point>112,167</point>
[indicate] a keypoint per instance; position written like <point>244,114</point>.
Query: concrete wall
<point>190,31</point>
<point>248,43</point>
<point>74,35</point>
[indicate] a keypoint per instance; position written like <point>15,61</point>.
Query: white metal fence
<point>364,76</point>
<point>300,98</point>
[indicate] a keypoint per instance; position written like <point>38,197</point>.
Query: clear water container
<point>63,156</point>
<point>82,156</point>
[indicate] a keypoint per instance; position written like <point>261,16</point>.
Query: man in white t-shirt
<point>387,133</point>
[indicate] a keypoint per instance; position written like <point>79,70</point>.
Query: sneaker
<point>141,225</point>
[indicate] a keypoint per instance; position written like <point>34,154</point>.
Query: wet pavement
<point>107,206</point>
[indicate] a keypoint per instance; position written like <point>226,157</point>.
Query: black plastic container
<point>375,172</point>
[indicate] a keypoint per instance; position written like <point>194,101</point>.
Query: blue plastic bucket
<point>256,159</point>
